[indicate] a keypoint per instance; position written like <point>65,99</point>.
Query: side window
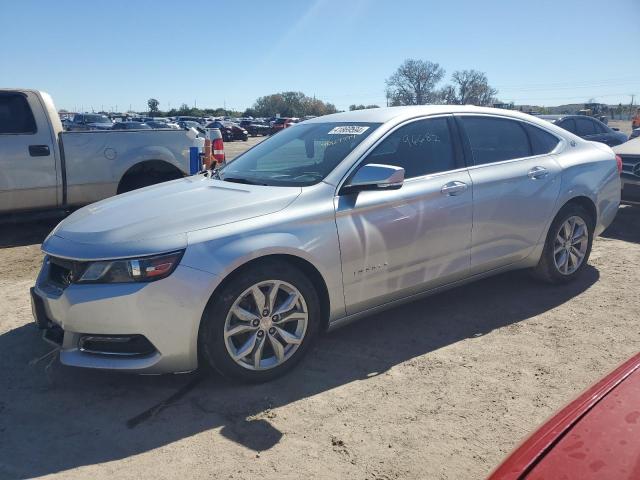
<point>584,127</point>
<point>568,124</point>
<point>541,142</point>
<point>496,139</point>
<point>422,147</point>
<point>15,115</point>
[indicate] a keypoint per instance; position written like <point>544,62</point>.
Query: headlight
<point>144,269</point>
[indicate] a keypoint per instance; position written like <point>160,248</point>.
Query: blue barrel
<point>194,160</point>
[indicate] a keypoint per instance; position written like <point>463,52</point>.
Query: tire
<point>217,340</point>
<point>551,265</point>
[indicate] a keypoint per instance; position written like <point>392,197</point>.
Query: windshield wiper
<point>242,180</point>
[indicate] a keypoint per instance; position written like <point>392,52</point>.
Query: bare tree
<point>414,83</point>
<point>469,87</point>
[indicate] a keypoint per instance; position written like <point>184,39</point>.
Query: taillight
<point>619,163</point>
<point>218,150</point>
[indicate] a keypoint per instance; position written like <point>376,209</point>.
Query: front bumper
<point>167,313</point>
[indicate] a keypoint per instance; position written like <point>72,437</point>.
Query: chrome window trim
<point>560,147</point>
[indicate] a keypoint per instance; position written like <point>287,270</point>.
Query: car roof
<point>387,114</point>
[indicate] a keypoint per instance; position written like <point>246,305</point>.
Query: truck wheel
<point>135,182</point>
<point>261,323</point>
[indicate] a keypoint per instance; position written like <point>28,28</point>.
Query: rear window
<point>568,124</point>
<point>15,115</point>
<point>541,142</point>
<point>584,127</point>
<point>600,127</point>
<point>496,139</point>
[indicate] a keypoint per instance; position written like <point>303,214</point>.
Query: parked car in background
<point>156,124</point>
<point>89,121</point>
<point>282,123</point>
<point>630,156</point>
<point>230,131</point>
<point>197,126</point>
<point>188,124</point>
<point>183,118</point>
<point>634,134</point>
<point>44,168</point>
<point>130,126</point>
<point>255,128</point>
<point>595,437</point>
<point>326,222</point>
<point>588,128</point>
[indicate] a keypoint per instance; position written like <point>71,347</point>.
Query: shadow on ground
<point>626,226</point>
<point>18,234</point>
<point>59,418</point>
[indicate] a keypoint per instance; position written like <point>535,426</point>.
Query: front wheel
<point>261,323</point>
<point>567,247</point>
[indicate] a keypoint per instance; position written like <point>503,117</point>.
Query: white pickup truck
<point>43,167</point>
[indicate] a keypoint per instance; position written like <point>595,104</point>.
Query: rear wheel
<point>261,323</point>
<point>568,245</point>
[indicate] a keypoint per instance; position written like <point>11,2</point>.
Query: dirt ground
<point>623,125</point>
<point>442,388</point>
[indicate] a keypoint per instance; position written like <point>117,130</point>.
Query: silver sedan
<point>326,222</point>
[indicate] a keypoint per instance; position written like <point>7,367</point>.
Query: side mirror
<point>615,129</point>
<point>374,176</point>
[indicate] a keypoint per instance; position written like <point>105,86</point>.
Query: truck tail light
<point>218,150</point>
<point>619,163</point>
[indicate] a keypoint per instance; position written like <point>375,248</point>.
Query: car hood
<point>584,451</point>
<point>157,219</point>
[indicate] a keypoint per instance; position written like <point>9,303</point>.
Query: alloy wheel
<point>266,325</point>
<point>570,245</point>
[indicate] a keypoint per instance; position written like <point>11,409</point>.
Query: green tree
<point>291,104</point>
<point>153,106</point>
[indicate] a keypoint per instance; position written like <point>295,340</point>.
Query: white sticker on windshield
<point>348,130</point>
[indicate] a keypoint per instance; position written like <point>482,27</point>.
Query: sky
<point>114,55</point>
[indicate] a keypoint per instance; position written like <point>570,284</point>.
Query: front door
<point>399,242</point>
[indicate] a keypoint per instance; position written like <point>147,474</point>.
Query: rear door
<point>516,181</point>
<point>28,179</point>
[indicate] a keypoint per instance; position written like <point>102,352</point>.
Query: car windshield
<point>298,156</point>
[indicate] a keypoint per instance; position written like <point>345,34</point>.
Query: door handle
<point>537,172</point>
<point>453,188</point>
<point>39,150</point>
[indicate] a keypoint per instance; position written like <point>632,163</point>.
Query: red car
<point>597,436</point>
<point>282,123</point>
